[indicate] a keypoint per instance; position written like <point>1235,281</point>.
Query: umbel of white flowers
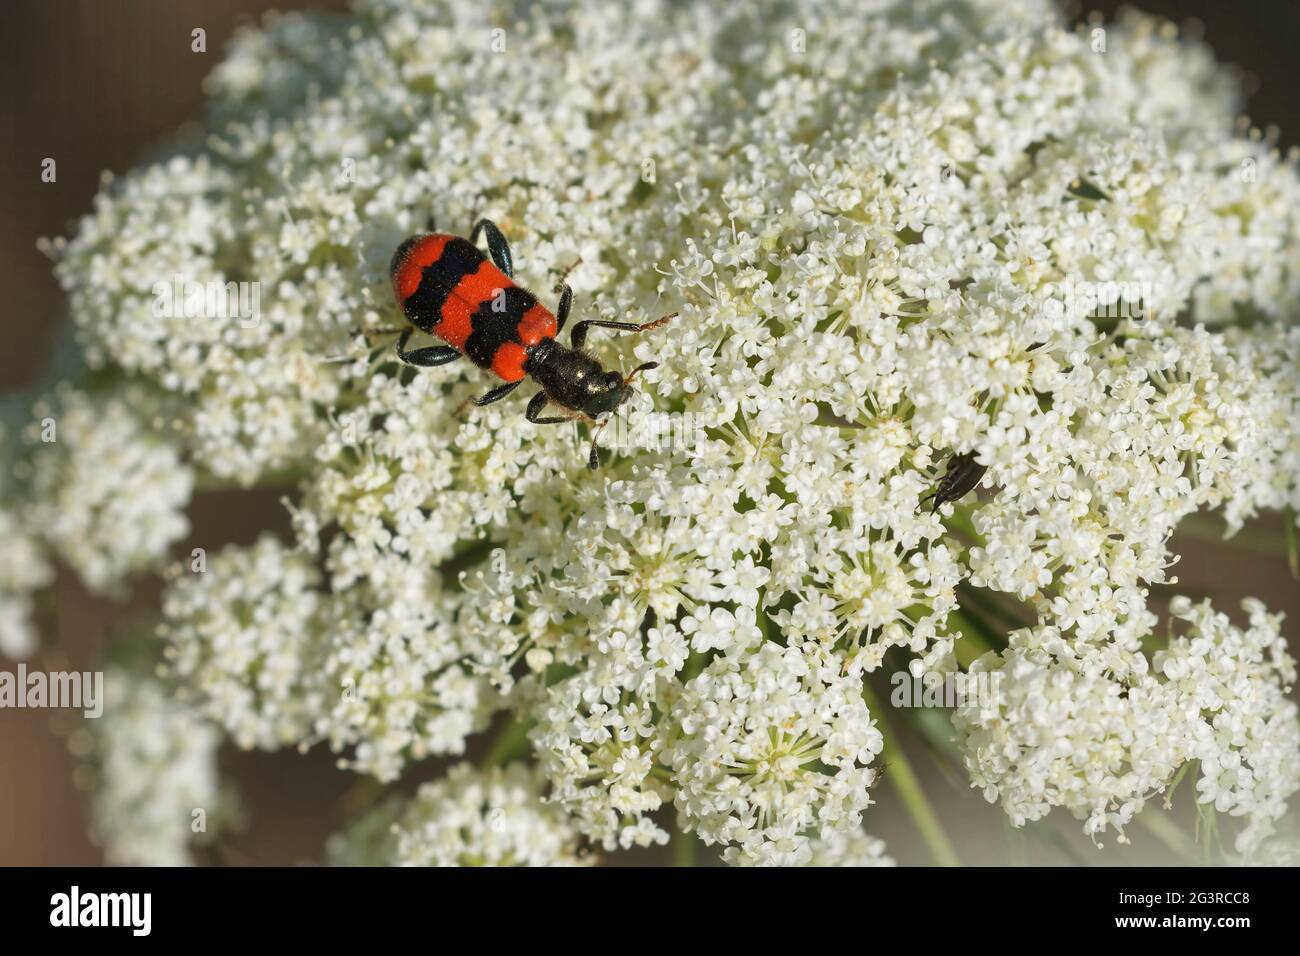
<point>866,220</point>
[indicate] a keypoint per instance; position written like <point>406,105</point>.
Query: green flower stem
<point>695,660</point>
<point>1178,778</point>
<point>971,644</point>
<point>933,725</point>
<point>509,744</point>
<point>963,522</point>
<point>1207,832</point>
<point>904,781</point>
<point>990,608</point>
<point>1168,832</point>
<point>685,846</point>
<point>465,557</point>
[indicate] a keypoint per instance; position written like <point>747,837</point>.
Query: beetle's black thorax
<point>574,379</point>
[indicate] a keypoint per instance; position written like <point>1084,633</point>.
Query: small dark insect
<point>449,288</point>
<point>880,774</point>
<point>962,474</point>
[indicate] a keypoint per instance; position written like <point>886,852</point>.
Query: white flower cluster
<point>96,485</point>
<point>396,687</point>
<point>893,236</point>
<point>599,747</point>
<point>855,848</point>
<point>772,748</point>
<point>1068,733</point>
<point>246,639</point>
<point>108,493</point>
<point>275,660</point>
<point>154,765</point>
<point>470,817</point>
<point>484,818</point>
<point>23,569</point>
<point>251,390</point>
<point>1232,685</point>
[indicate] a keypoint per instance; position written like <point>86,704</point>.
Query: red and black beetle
<point>448,288</point>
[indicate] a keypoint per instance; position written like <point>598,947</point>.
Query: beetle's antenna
<point>564,273</point>
<point>659,321</point>
<point>640,368</point>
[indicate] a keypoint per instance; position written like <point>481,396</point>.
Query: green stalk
<point>685,846</point>
<point>1167,832</point>
<point>510,743</point>
<point>971,644</point>
<point>905,782</point>
<point>962,520</point>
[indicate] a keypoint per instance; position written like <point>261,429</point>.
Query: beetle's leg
<point>431,224</point>
<point>429,357</point>
<point>566,303</point>
<point>498,248</point>
<point>579,336</point>
<point>593,457</point>
<point>580,330</point>
<point>498,393</point>
<point>940,492</point>
<point>534,410</point>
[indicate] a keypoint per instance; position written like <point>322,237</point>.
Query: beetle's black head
<point>606,394</point>
<point>576,381</point>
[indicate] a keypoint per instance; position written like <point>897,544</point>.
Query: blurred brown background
<point>94,84</point>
